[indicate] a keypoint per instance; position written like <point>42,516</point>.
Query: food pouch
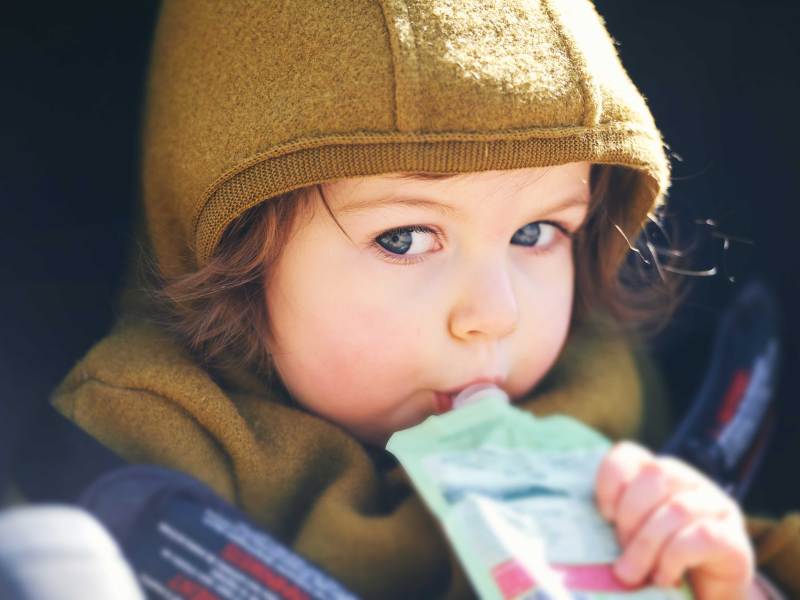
<point>515,496</point>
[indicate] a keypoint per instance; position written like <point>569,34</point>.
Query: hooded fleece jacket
<point>247,100</point>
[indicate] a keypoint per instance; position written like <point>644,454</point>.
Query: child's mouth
<point>444,403</point>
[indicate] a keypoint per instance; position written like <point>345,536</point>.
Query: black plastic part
<point>747,343</point>
<point>57,460</point>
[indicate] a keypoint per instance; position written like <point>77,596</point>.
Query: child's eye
<point>408,241</point>
<point>539,234</point>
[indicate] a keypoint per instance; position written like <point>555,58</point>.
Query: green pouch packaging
<point>515,496</point>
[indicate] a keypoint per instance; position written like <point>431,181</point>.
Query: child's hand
<point>671,520</point>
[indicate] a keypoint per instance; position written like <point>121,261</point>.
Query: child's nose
<point>486,306</point>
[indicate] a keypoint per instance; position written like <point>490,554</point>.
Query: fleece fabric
<point>250,99</point>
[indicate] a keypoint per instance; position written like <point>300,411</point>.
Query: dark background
<point>720,77</point>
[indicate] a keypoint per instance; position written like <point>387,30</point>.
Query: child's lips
<point>445,400</point>
<point>444,403</point>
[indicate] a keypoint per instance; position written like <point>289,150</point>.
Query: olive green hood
<point>248,100</point>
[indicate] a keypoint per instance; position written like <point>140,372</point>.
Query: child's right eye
<point>407,241</point>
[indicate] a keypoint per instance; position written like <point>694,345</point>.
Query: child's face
<point>442,284</point>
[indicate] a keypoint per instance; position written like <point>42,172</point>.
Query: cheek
<point>362,338</point>
<point>335,329</point>
<point>546,291</point>
<point>545,316</point>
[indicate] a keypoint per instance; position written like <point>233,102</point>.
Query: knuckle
<point>652,470</point>
<point>624,525</point>
<point>644,545</point>
<point>680,509</point>
<point>678,472</point>
<point>706,533</point>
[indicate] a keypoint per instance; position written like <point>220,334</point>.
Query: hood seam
<point>395,50</point>
<point>405,60</point>
<point>589,93</point>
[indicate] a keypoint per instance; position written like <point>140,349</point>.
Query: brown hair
<point>220,314</point>
<point>219,311</point>
<point>618,269</point>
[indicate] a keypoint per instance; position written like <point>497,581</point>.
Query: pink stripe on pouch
<point>591,578</point>
<point>513,579</point>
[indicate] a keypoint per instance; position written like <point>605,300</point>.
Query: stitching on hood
<point>394,47</point>
<point>589,92</point>
<point>406,63</point>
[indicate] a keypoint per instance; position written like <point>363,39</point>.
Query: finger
<point>642,552</point>
<point>617,469</point>
<point>719,553</point>
<point>656,481</point>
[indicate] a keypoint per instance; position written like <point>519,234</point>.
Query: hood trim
<point>317,160</point>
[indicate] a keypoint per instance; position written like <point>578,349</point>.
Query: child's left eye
<point>407,241</point>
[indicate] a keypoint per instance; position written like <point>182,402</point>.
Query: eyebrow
<point>446,209</point>
<point>423,176</point>
<point>371,203</point>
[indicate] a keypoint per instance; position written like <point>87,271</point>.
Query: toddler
<point>359,208</point>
